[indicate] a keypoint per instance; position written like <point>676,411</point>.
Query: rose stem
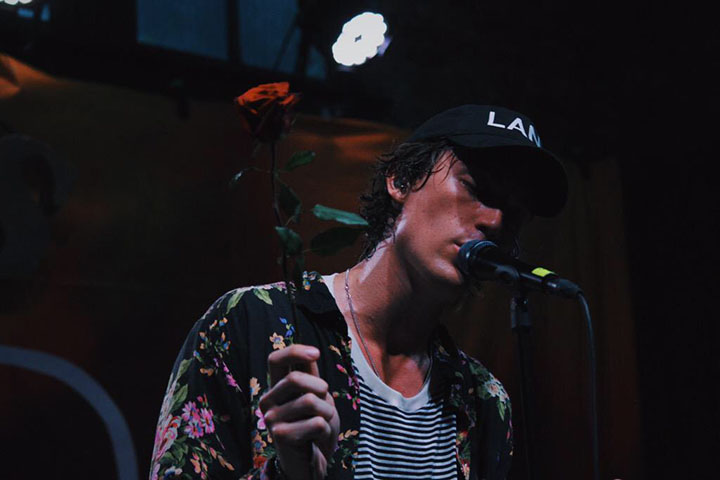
<point>284,257</point>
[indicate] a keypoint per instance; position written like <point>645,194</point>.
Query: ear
<point>396,189</point>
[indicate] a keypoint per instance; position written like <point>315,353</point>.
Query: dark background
<point>618,81</point>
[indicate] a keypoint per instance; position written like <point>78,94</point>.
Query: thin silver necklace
<point>357,329</point>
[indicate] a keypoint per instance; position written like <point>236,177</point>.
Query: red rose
<point>266,110</point>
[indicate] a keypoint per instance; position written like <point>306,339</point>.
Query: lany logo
<point>516,124</point>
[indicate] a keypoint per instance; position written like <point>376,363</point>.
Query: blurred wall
<point>151,234</point>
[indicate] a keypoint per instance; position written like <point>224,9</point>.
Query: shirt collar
<point>314,297</point>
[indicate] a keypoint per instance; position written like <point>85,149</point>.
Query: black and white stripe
<point>399,444</point>
<point>400,437</point>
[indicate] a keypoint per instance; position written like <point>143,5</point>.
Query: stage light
<point>15,2</point>
<point>361,38</point>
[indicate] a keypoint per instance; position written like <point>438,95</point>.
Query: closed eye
<point>470,187</point>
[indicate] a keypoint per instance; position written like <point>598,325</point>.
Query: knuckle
<point>294,377</point>
<point>319,423</point>
<point>307,400</point>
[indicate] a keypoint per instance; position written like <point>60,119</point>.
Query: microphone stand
<point>521,325</point>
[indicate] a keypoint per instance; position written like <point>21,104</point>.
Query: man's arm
<point>300,413</point>
<point>204,420</point>
<point>218,421</point>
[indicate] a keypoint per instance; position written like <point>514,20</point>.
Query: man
<point>376,388</point>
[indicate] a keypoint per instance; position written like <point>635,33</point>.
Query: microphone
<point>483,260</point>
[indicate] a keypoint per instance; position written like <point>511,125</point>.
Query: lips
<point>463,242</point>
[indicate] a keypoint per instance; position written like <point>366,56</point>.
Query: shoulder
<point>240,313</point>
<point>239,300</point>
<point>259,311</point>
<point>259,298</point>
<point>487,387</point>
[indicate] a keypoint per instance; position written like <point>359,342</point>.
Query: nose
<point>488,218</point>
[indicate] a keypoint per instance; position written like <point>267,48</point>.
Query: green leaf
<point>263,295</point>
<point>348,218</point>
<point>176,453</point>
<point>289,202</point>
<point>234,300</point>
<point>298,159</point>
<point>331,241</point>
<point>183,367</point>
<point>179,397</point>
<point>291,242</point>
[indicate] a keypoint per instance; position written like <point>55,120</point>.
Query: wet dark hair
<point>411,164</point>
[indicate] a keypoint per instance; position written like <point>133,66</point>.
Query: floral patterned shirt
<point>210,424</point>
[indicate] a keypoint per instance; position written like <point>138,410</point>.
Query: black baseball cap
<point>507,139</point>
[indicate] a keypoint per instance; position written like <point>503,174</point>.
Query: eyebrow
<point>464,168</point>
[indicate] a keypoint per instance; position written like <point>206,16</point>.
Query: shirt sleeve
<point>497,430</point>
<point>505,449</point>
<point>206,420</point>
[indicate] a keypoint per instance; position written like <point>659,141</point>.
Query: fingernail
<point>313,351</point>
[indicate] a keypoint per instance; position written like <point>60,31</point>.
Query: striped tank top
<point>400,437</point>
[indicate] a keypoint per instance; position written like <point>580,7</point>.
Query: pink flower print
<point>228,376</point>
<point>191,415</point>
<point>193,429</point>
<point>261,419</point>
<point>190,411</point>
<point>230,380</point>
<point>207,420</point>
<point>165,435</point>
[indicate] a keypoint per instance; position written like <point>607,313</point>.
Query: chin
<point>451,276</point>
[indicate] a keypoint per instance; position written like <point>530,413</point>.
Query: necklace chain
<point>357,329</point>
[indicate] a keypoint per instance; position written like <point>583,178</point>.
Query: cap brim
<point>539,173</point>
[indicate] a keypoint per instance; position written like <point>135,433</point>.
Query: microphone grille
<point>468,252</point>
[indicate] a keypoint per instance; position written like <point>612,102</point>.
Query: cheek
<point>429,229</point>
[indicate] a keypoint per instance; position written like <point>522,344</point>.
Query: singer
<point>377,389</point>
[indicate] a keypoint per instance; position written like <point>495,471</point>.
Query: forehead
<point>495,177</point>
<point>450,163</point>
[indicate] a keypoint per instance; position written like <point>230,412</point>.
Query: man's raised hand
<point>300,413</point>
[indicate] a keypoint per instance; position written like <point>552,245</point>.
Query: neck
<point>396,310</point>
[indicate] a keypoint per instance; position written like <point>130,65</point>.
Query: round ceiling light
<point>361,39</point>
